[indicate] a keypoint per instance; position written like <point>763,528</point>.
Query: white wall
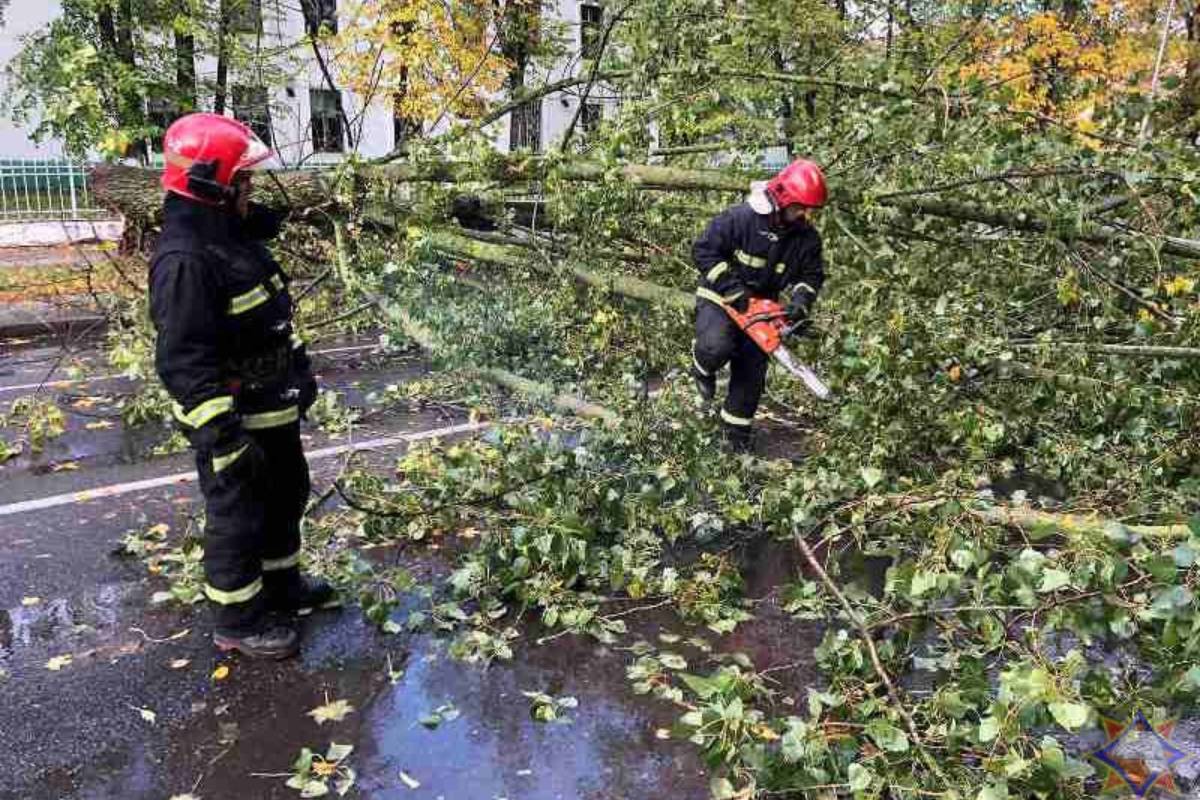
<point>20,18</point>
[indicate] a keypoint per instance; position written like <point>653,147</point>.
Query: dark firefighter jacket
<point>739,252</point>
<point>225,350</point>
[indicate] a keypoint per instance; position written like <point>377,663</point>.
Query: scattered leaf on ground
<point>30,601</point>
<point>65,466</point>
<point>58,662</point>
<point>220,673</point>
<point>409,780</point>
<point>332,711</point>
<point>446,713</point>
<point>99,425</point>
<point>180,663</point>
<point>146,714</point>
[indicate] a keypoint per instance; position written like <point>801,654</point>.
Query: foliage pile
<point>1010,327</point>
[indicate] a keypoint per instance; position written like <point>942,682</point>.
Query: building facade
<point>300,116</point>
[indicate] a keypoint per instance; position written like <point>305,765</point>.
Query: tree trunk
<point>1189,93</point>
<point>185,63</point>
<point>129,187</point>
<point>222,58</point>
<point>131,111</point>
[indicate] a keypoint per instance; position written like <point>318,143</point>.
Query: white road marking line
<point>113,490</point>
<point>63,383</point>
<point>59,384</point>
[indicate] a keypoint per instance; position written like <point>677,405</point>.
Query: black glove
<point>238,459</point>
<point>263,223</point>
<point>308,394</point>
<point>798,308</point>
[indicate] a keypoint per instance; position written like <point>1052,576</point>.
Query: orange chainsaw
<point>765,322</point>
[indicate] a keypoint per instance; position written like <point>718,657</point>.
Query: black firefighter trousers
<point>719,341</point>
<point>252,527</point>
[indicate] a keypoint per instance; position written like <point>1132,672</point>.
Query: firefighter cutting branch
<point>755,250</point>
<point>240,378</point>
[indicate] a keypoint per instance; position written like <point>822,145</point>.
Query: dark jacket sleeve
<point>713,255</point>
<point>186,305</point>
<point>809,273</point>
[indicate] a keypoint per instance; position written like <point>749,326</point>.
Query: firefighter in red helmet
<point>240,378</point>
<point>760,248</point>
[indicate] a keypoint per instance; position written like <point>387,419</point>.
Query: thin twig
<point>864,634</point>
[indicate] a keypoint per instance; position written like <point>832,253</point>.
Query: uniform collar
<point>200,218</point>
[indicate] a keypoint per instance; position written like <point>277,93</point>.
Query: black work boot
<point>738,438</point>
<point>706,385</point>
<point>274,642</point>
<point>288,590</point>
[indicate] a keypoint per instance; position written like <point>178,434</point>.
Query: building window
<point>591,21</point>
<point>251,106</point>
<point>593,114</point>
<point>245,15</point>
<point>319,15</point>
<point>526,130</point>
<point>326,120</point>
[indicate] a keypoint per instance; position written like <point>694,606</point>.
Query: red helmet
<point>203,152</point>
<point>799,183</point>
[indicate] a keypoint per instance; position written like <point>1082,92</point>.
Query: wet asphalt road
<point>77,732</point>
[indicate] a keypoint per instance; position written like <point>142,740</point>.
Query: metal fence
<point>34,190</point>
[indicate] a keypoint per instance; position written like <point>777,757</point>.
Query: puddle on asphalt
<point>64,624</point>
<point>495,749</point>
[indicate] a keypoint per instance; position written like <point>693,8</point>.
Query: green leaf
<point>871,476</point>
<point>1053,580</point>
<point>860,778</point>
<point>1191,679</point>
<point>303,762</point>
<point>922,582</point>
<point>1071,716</point>
<point>314,788</point>
<point>993,791</point>
<point>672,661</point>
<point>887,736</point>
<point>703,687</point>
<point>989,729</point>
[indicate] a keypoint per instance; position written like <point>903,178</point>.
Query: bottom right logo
<point>1139,756</point>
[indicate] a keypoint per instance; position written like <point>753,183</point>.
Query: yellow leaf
<point>65,466</point>
<point>766,733</point>
<point>334,711</point>
<point>58,662</point>
<point>158,530</point>
<point>99,425</point>
<point>220,673</point>
<point>30,601</point>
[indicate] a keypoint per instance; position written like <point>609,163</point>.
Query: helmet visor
<point>257,157</point>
